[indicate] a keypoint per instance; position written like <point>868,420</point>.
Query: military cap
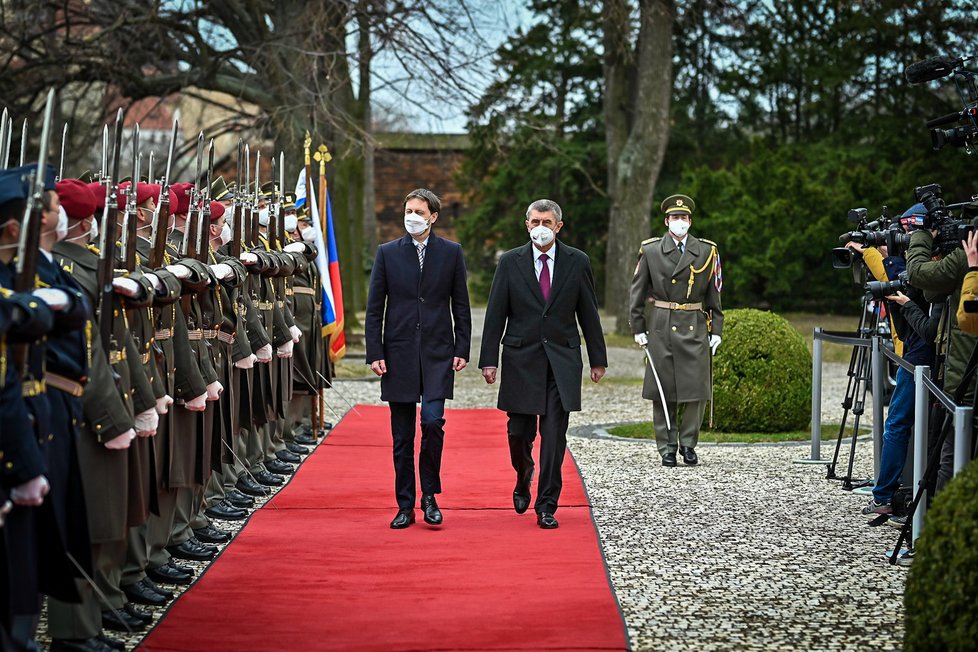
<point>301,213</point>
<point>76,198</point>
<point>217,210</point>
<point>15,183</point>
<point>219,189</point>
<point>288,201</point>
<point>266,189</point>
<point>677,204</point>
<point>182,205</point>
<point>86,177</point>
<point>144,192</point>
<point>98,191</point>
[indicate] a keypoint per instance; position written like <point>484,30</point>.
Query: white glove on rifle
<point>641,339</point>
<point>264,354</point>
<point>246,363</point>
<point>248,258</point>
<point>154,279</point>
<point>296,333</point>
<point>295,248</point>
<point>147,422</point>
<point>285,351</point>
<point>31,493</point>
<point>126,287</point>
<point>163,404</point>
<point>55,298</point>
<point>199,404</point>
<point>714,343</point>
<point>182,272</point>
<point>121,442</point>
<point>222,271</point>
<point>214,390</point>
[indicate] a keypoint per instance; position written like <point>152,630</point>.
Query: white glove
<point>199,404</point>
<point>642,339</point>
<point>246,363</point>
<point>163,404</point>
<point>121,442</point>
<point>248,258</point>
<point>296,333</point>
<point>295,248</point>
<point>182,272</point>
<point>56,299</point>
<point>147,422</point>
<point>31,493</point>
<point>264,354</point>
<point>714,343</point>
<point>214,390</point>
<point>222,271</point>
<point>285,351</point>
<point>154,279</point>
<point>126,287</point>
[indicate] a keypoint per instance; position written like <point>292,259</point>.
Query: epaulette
<point>94,250</point>
<point>709,242</point>
<point>649,241</point>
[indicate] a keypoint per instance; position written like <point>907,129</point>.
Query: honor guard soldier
<point>678,276</point>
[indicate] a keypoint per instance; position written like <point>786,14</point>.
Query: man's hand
<point>285,351</point>
<point>163,404</point>
<point>31,493</point>
<point>489,373</point>
<point>121,442</point>
<point>198,404</point>
<point>214,390</point>
<point>714,343</point>
<point>642,339</point>
<point>55,298</point>
<point>126,287</point>
<point>147,422</point>
<point>379,367</point>
<point>899,298</point>
<point>855,246</point>
<point>971,248</point>
<point>264,354</point>
<point>222,271</point>
<point>597,373</point>
<point>248,258</point>
<point>247,363</point>
<point>458,364</point>
<point>296,334</point>
<point>182,272</point>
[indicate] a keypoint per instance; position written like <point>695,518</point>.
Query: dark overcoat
<point>536,334</point>
<point>418,321</point>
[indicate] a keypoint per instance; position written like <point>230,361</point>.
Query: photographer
<point>944,276</point>
<point>874,259</point>
<point>968,321</point>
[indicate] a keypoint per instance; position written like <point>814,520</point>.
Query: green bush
<point>941,598</point>
<point>762,375</point>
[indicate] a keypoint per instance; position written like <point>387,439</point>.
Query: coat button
<point>422,299</point>
<point>690,328</point>
<point>673,328</point>
<point>673,281</point>
<point>544,340</point>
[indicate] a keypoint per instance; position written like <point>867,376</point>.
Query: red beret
<point>76,198</point>
<point>217,211</point>
<point>182,204</point>
<point>98,192</point>
<point>144,191</point>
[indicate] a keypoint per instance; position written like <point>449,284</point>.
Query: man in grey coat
<point>679,277</point>
<point>540,293</point>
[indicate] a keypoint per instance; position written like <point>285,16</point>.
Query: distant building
<point>403,162</point>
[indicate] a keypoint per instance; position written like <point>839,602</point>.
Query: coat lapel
<point>433,260</point>
<point>687,256</point>
<point>410,256</point>
<point>527,271</point>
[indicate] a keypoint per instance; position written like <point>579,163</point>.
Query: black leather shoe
<point>249,487</point>
<point>194,541</point>
<point>112,643</point>
<point>168,575</point>
<point>669,459</point>
<point>327,425</point>
<point>432,515</point>
<point>138,614</point>
<point>278,466</point>
<point>225,511</point>
<point>689,456</point>
<point>150,584</point>
<point>298,449</point>
<point>285,455</point>
<point>211,534</point>
<point>403,519</point>
<point>304,439</point>
<point>239,500</point>
<point>547,521</point>
<point>269,479</point>
<point>140,593</point>
<point>186,570</point>
<point>119,621</point>
<point>80,645</point>
<point>188,551</point>
<point>521,494</point>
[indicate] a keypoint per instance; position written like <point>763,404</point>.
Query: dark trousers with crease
<point>432,442</point>
<point>522,430</point>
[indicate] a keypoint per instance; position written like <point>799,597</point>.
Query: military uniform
<point>682,291</point>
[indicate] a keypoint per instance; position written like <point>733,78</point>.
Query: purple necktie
<point>545,277</point>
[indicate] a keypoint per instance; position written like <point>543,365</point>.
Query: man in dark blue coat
<point>540,293</point>
<point>418,330</point>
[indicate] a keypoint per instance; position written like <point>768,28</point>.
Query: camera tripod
<point>854,402</point>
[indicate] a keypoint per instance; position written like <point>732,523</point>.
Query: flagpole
<point>315,419</point>
<point>323,156</point>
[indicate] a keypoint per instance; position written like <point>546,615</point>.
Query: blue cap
<point>15,183</point>
<point>916,209</point>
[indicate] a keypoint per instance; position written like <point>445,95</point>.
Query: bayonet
<point>104,170</point>
<point>283,237</point>
<point>107,244</point>
<point>272,229</point>
<point>254,222</point>
<point>149,168</point>
<point>61,165</point>
<point>190,230</point>
<point>237,212</point>
<point>131,216</point>
<point>23,144</point>
<point>204,231</point>
<point>4,134</point>
<point>6,144</point>
<point>161,217</point>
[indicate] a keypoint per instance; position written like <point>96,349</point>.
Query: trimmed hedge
<point>941,597</point>
<point>762,375</point>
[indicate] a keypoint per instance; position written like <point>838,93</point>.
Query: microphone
<point>944,120</point>
<point>930,69</point>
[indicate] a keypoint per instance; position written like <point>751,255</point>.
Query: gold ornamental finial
<point>306,143</point>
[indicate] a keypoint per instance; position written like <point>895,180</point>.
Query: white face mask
<point>679,228</point>
<point>62,229</point>
<point>93,231</point>
<point>263,217</point>
<point>225,234</point>
<point>415,225</point>
<point>542,235</point>
<point>309,235</point>
<point>290,223</point>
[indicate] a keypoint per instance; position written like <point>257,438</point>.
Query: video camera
<point>879,290</point>
<point>965,134</point>
<point>950,231</point>
<point>883,231</point>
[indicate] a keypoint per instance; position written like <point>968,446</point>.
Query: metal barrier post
<point>962,437</point>
<point>920,427</point>
<point>816,453</point>
<point>879,373</point>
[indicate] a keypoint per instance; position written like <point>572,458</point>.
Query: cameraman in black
<point>916,321</point>
<point>944,276</point>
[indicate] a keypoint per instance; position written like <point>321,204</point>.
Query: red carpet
<point>319,568</point>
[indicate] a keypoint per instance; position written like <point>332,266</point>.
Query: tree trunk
<point>369,211</point>
<point>638,89</point>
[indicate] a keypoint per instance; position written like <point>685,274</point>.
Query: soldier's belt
<point>66,385</point>
<point>288,292</point>
<point>195,335</point>
<point>209,334</point>
<point>227,338</point>
<point>265,305</point>
<point>308,291</point>
<point>115,357</point>
<point>164,334</point>
<point>672,305</point>
<point>32,388</point>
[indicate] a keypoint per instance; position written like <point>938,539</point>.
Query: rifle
<point>23,143</point>
<point>30,231</point>
<point>3,138</point>
<point>190,230</point>
<point>254,221</point>
<point>104,170</point>
<point>106,261</point>
<point>61,166</point>
<point>236,211</point>
<point>6,144</point>
<point>161,218</point>
<point>131,216</point>
<point>149,168</point>
<point>243,193</point>
<point>283,237</point>
<point>272,228</point>
<point>204,230</point>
